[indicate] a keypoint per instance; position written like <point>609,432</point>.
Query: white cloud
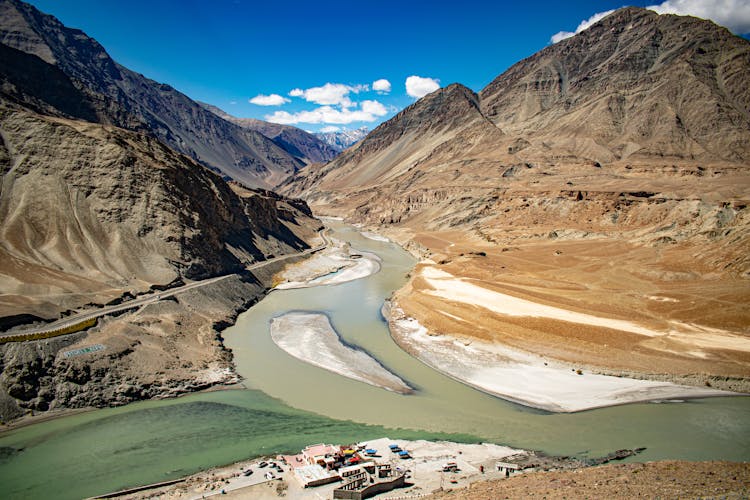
<point>416,86</point>
<point>330,128</point>
<point>369,111</point>
<point>586,23</point>
<point>269,100</point>
<point>330,94</point>
<point>734,14</point>
<point>381,86</point>
<point>374,108</point>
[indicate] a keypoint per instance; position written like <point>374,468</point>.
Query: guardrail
<point>78,327</point>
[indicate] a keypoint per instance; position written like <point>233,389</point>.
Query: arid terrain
<point>605,176</point>
<point>668,479</point>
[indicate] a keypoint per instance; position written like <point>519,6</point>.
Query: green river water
<point>290,404</point>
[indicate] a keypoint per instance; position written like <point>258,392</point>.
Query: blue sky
<point>329,53</point>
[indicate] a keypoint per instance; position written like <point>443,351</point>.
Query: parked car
<point>248,472</point>
<point>263,464</point>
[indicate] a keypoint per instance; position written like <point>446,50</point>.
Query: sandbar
<point>311,338</point>
<point>337,264</point>
<point>449,287</point>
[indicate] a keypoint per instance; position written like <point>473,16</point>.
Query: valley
<point>558,261</point>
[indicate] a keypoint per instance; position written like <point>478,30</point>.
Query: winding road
<point>143,300</point>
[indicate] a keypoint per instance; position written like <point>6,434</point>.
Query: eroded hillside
<point>605,174</point>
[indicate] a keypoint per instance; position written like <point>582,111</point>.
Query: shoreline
<point>525,378</point>
<point>57,413</point>
<point>475,463</point>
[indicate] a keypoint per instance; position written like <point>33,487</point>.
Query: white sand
<point>310,337</point>
<point>375,236</point>
<point>524,378</point>
<point>455,289</point>
<point>337,264</point>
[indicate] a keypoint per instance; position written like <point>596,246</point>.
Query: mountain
<point>635,85</point>
<point>638,102</point>
<point>298,143</point>
<point>342,139</point>
<point>86,208</point>
<point>605,174</point>
<point>96,209</point>
<point>111,94</point>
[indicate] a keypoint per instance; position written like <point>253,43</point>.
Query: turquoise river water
<point>289,404</point>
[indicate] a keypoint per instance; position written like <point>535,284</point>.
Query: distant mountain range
<point>342,139</point>
<point>300,144</point>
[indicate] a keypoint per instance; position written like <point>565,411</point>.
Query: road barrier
<point>22,337</point>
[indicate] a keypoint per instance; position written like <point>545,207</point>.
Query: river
<point>290,403</point>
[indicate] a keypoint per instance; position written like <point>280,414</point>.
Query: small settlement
<point>363,475</point>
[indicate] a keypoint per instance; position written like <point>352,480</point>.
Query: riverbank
<point>432,466</point>
<point>525,378</point>
<point>311,338</point>
<point>162,350</point>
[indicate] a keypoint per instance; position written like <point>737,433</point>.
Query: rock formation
<point>106,194</point>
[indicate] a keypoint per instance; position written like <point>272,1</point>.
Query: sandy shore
<point>336,264</point>
<point>525,378</point>
<point>310,337</point>
<point>375,236</point>
<point>425,468</point>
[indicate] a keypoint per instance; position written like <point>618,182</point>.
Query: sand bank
<point>336,264</point>
<point>525,378</point>
<point>375,236</point>
<point>310,337</point>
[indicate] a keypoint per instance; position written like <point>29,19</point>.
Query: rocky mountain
<point>635,85</point>
<point>87,208</point>
<point>640,107</point>
<point>99,203</point>
<point>606,174</point>
<point>342,139</point>
<point>91,214</point>
<point>300,144</point>
<point>96,88</point>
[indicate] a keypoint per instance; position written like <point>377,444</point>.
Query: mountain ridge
<point>342,139</point>
<point>297,142</point>
<point>129,100</point>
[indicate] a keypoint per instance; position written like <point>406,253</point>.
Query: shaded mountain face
<point>342,139</point>
<point>298,143</point>
<point>112,94</point>
<point>639,120</point>
<point>86,208</point>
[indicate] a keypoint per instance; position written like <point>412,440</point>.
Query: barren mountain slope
<point>607,174</point>
<point>87,209</point>
<point>637,85</point>
<point>127,99</point>
<point>92,213</point>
